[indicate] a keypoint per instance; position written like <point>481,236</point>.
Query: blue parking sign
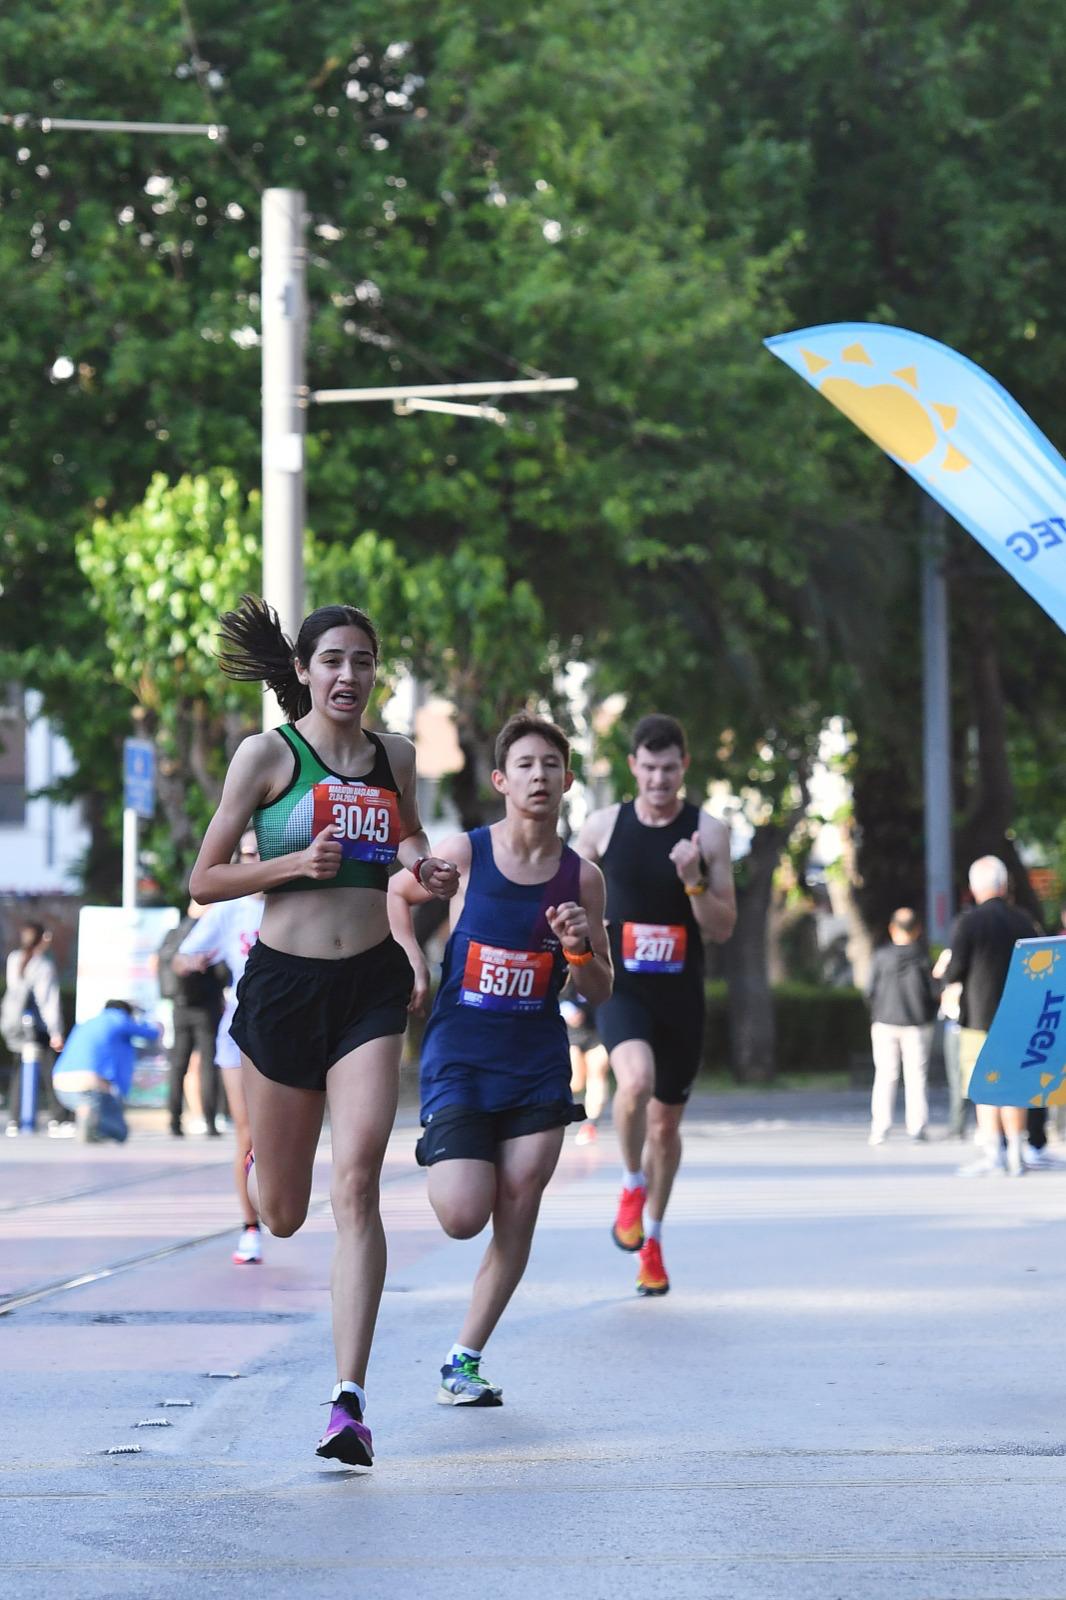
<point>138,776</point>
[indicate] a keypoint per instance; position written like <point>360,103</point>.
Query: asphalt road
<point>852,1390</point>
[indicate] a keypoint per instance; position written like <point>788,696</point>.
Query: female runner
<point>323,1002</point>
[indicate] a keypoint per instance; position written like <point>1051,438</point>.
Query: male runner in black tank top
<point>669,888</point>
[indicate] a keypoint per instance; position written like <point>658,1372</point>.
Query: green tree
<point>160,575</point>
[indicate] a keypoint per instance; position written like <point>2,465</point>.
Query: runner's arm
<point>216,876</point>
<point>404,894</point>
<point>436,875</point>
<point>595,833</point>
<point>200,947</point>
<point>579,927</point>
<point>715,909</point>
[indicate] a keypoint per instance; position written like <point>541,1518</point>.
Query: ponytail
<point>255,650</point>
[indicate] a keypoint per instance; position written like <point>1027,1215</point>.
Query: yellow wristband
<point>694,889</point>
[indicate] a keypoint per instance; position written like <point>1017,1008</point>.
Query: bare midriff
<point>326,927</point>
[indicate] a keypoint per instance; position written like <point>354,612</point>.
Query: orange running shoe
<point>651,1274</point>
<point>628,1229</point>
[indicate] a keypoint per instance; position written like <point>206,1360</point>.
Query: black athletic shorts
<point>457,1133</point>
<point>297,1015</point>
<point>674,1030</point>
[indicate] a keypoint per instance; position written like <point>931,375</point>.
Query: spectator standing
<point>95,1069</point>
<point>981,944</point>
<point>197,1000</point>
<point>903,1005</point>
<point>31,1002</point>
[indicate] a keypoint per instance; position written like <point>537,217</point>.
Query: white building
<point>42,844</point>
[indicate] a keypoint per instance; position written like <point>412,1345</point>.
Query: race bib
<point>505,980</point>
<point>366,822</point>
<point>653,947</point>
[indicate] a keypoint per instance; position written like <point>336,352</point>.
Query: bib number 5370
<point>516,981</point>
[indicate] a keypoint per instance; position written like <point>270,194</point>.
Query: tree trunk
<point>751,1005</point>
<point>987,828</point>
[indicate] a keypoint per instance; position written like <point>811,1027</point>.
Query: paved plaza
<point>853,1390</point>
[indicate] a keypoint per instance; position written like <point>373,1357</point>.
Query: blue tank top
<point>496,1038</point>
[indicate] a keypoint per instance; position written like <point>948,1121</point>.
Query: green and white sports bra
<point>366,811</point>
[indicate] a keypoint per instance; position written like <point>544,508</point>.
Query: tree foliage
<point>160,574</point>
<point>633,196</point>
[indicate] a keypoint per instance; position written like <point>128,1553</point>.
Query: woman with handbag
<point>30,1011</point>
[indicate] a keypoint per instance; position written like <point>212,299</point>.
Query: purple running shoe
<point>347,1437</point>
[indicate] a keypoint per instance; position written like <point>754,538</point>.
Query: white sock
<point>348,1387</point>
<point>633,1180</point>
<point>653,1228</point>
<point>458,1350</point>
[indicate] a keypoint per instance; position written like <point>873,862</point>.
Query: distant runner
<point>227,932</point>
<point>495,1057</point>
<point>669,887</point>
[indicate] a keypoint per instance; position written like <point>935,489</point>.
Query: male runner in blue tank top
<point>669,887</point>
<point>495,1057</point>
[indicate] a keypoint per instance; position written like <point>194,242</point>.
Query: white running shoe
<point>877,1138</point>
<point>249,1251</point>
<point>985,1166</point>
<point>1038,1158</point>
<point>1015,1162</point>
<point>586,1133</point>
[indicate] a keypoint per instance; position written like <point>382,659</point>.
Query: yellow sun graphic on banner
<point>1041,964</point>
<point>891,413</point>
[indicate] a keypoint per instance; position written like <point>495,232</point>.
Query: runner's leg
<point>596,1069</point>
<point>285,1124</point>
<point>523,1169</point>
<point>362,1088</point>
<point>238,1110</point>
<point>634,1069</point>
<point>662,1156</point>
<point>462,1193</point>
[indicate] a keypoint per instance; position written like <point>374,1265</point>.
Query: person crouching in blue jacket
<point>93,1074</point>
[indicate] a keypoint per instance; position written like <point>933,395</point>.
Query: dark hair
<point>255,650</point>
<point>523,723</point>
<point>656,732</point>
<point>906,920</point>
<point>119,1005</point>
<point>39,930</point>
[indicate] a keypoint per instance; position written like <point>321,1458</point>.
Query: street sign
<point>138,776</point>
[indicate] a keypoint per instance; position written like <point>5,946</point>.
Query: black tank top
<point>653,931</point>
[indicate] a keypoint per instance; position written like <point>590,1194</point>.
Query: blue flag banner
<point>957,432</point>
<point>1023,1060</point>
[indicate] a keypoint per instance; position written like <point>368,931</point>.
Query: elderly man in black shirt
<point>981,944</point>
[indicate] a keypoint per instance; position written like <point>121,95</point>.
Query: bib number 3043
<point>366,822</point>
<point>653,947</point>
<point>505,980</point>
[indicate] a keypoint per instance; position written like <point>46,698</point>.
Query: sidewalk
<point>851,1391</point>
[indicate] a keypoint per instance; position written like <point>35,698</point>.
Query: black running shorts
<point>457,1133</point>
<point>671,1025</point>
<point>297,1015</point>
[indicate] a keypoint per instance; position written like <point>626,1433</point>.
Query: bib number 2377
<point>505,980</point>
<point>365,822</point>
<point>653,947</point>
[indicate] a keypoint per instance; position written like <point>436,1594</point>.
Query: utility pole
<point>286,399</point>
<point>284,324</point>
<point>936,728</point>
